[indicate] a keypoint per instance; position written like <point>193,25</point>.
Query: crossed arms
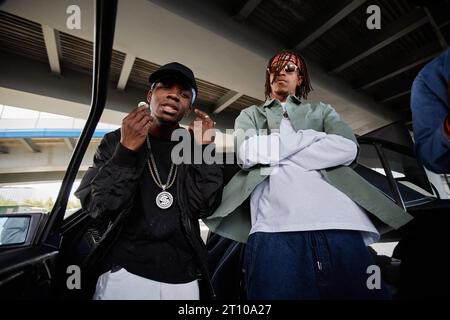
<point>307,149</point>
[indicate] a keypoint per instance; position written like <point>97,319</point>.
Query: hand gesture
<point>135,128</point>
<point>202,135</point>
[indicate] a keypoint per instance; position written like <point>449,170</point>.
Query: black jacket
<point>107,194</point>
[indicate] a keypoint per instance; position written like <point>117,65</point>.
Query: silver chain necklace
<point>164,199</point>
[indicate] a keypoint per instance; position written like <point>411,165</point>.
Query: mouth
<point>170,109</point>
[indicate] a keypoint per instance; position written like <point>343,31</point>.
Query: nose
<point>283,71</point>
<point>174,94</point>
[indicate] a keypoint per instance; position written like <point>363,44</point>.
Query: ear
<point>188,111</point>
<point>299,80</point>
<point>149,96</point>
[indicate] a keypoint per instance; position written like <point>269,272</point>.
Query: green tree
<point>49,203</point>
<point>7,202</point>
<point>74,204</point>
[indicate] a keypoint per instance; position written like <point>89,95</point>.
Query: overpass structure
<point>46,66</point>
<point>46,60</point>
<point>41,155</point>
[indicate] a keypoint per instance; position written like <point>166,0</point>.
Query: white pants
<point>122,285</point>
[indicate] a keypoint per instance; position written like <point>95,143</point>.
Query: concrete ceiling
<point>221,52</point>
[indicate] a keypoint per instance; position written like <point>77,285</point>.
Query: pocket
<point>250,252</point>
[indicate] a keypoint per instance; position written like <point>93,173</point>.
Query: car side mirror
<point>19,229</point>
<point>13,229</point>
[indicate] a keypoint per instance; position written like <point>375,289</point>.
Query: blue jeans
<point>328,264</point>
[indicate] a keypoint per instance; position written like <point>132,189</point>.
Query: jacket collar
<point>269,102</point>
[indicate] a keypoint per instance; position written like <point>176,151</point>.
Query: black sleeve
<point>111,181</point>
<point>203,187</point>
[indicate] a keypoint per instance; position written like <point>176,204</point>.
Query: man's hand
<point>135,128</point>
<point>202,136</point>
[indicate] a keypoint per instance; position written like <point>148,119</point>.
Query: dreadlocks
<point>283,57</point>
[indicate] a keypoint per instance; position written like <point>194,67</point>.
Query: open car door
<point>31,244</point>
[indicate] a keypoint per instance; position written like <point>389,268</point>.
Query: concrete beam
<point>19,164</point>
<point>42,177</point>
<point>126,70</point>
<point>226,100</point>
<point>26,83</point>
<point>51,44</point>
<point>69,95</point>
<point>395,96</point>
<point>398,29</point>
<point>30,145</point>
<point>323,25</point>
<point>246,10</point>
<point>138,30</point>
<point>359,110</point>
<point>436,29</point>
<point>70,143</point>
<point>398,65</point>
<point>444,24</point>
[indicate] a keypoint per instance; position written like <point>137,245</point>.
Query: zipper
<point>181,205</point>
<point>319,265</point>
<point>314,247</point>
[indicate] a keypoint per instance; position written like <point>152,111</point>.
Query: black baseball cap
<point>178,71</point>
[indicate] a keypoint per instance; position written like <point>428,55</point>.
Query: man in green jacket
<point>302,211</point>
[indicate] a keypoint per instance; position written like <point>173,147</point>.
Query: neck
<point>281,98</point>
<point>162,130</point>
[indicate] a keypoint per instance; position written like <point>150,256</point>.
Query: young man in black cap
<point>153,248</point>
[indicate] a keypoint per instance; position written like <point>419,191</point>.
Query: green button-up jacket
<point>232,218</point>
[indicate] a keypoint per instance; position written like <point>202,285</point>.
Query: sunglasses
<point>288,67</point>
